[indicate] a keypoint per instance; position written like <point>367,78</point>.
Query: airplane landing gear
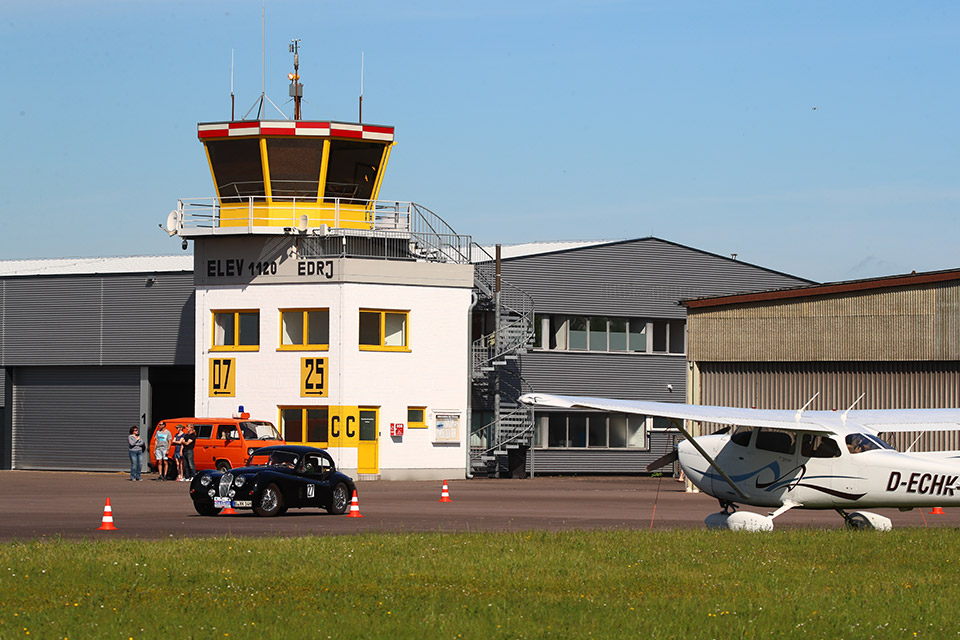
<point>865,520</point>
<point>728,507</point>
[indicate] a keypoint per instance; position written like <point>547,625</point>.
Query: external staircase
<point>496,372</point>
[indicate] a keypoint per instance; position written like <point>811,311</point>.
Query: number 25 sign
<point>313,377</point>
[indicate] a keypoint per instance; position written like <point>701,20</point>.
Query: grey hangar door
<point>74,418</point>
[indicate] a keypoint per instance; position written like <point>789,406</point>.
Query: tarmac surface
<point>44,504</point>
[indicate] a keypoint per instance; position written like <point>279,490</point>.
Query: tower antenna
<point>296,89</point>
<point>360,117</point>
<point>232,100</point>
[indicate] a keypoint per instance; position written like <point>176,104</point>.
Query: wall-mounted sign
<point>313,377</point>
<point>396,429</point>
<point>223,377</point>
<point>448,427</point>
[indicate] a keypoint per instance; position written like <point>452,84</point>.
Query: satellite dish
<point>303,222</point>
<point>173,223</point>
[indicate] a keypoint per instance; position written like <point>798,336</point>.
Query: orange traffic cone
<point>107,522</point>
<point>936,511</point>
<point>228,511</point>
<point>444,493</point>
<point>354,507</point>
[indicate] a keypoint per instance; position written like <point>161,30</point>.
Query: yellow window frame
<point>304,428</point>
<point>422,423</point>
<point>383,329</point>
<point>307,345</point>
<point>236,330</point>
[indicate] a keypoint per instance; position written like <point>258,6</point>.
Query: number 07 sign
<point>313,377</point>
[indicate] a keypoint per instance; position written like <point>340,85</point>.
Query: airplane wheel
<point>858,522</point>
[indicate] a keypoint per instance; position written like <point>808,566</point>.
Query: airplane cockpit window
<point>741,436</point>
<point>860,442</point>
<point>814,446</point>
<point>776,440</point>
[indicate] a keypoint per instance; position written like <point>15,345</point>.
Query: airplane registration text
<point>923,483</point>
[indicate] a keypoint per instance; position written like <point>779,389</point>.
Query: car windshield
<point>259,431</point>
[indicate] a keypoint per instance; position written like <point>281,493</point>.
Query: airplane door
<point>773,467</point>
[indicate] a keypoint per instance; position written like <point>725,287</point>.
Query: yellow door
<point>367,447</point>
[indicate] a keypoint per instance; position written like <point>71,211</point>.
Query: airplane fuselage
<point>845,480</point>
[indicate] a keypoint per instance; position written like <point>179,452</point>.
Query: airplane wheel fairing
<point>867,520</point>
<point>747,521</point>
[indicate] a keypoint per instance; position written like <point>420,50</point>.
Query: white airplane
<point>800,459</point>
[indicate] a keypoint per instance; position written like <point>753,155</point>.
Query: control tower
<point>342,318</point>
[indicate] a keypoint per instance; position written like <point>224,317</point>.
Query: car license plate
<point>221,503</point>
<point>242,503</point>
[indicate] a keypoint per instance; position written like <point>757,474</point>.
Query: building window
<point>610,335</point>
<point>304,328</point>
<point>382,330</point>
<point>416,417</point>
<point>236,330</point>
<point>582,430</point>
<point>305,425</point>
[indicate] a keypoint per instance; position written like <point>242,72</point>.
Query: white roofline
<point>77,266</point>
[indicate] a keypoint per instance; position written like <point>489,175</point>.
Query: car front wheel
<point>223,465</point>
<point>339,500</point>
<point>270,502</point>
<point>205,509</point>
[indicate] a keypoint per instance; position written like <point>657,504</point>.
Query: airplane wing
<point>901,420</point>
<point>820,422</point>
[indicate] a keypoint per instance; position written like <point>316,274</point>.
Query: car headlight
<point>231,493</point>
<point>205,481</point>
<point>212,492</point>
<point>239,481</point>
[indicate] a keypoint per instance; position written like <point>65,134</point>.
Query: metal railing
<point>375,228</point>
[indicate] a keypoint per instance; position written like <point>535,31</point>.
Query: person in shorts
<point>161,448</point>
<point>178,451</point>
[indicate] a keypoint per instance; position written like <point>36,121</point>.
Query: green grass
<point>615,584</point>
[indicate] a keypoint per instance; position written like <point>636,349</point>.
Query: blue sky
<point>814,138</point>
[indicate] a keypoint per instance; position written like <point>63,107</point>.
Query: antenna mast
<point>296,89</point>
<point>232,101</point>
<point>360,117</point>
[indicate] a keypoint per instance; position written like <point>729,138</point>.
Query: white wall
<point>434,373</point>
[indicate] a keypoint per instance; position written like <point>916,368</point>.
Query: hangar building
<point>894,340</point>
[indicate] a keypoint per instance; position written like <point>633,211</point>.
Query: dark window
<point>294,167</point>
<point>368,426</point>
<point>204,431</point>
<point>741,436</point>
<point>352,170</point>
<point>776,440</point>
<point>317,425</point>
<point>814,446</point>
<point>237,168</point>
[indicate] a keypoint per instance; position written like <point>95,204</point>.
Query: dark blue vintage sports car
<point>275,479</point>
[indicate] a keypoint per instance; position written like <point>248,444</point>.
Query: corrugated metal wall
<point>886,385</point>
<point>646,278</point>
<point>913,323</point>
<point>628,376</point>
<point>74,418</point>
<point>97,319</point>
<point>3,389</point>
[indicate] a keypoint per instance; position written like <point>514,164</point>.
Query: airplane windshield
<point>860,442</point>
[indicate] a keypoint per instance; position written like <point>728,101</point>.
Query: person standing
<point>162,440</point>
<point>178,451</point>
<point>137,447</point>
<point>189,441</point>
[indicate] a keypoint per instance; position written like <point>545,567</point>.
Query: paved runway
<point>42,504</point>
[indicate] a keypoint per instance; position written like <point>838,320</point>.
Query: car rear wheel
<point>223,465</point>
<point>338,500</point>
<point>270,502</point>
<point>205,509</point>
